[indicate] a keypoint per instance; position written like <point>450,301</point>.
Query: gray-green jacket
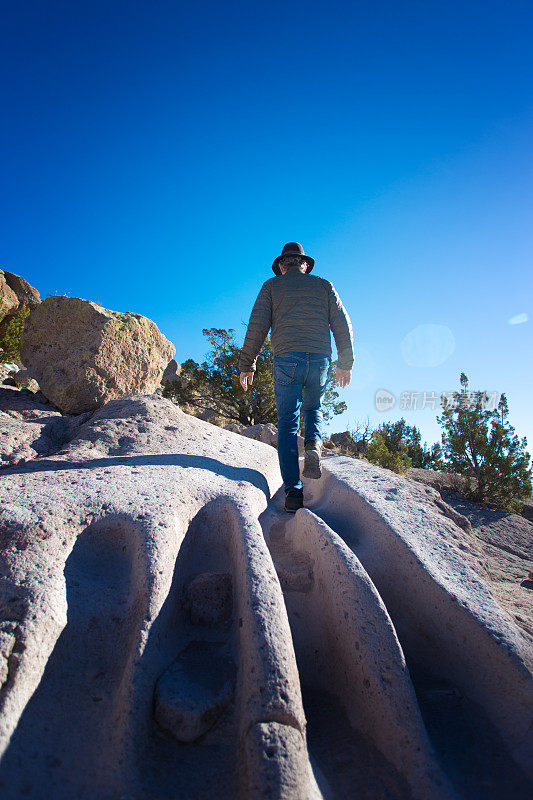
<point>300,309</point>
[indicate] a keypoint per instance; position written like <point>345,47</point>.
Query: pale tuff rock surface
<point>192,694</point>
<point>507,544</point>
<point>500,548</point>
<point>445,616</point>
<point>100,542</point>
<point>30,426</point>
<point>8,370</point>
<point>83,355</point>
<point>167,630</point>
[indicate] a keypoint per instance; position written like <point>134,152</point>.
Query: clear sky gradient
<point>157,155</point>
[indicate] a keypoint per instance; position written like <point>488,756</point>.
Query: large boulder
<point>20,287</point>
<point>23,380</point>
<point>14,292</point>
<point>8,299</point>
<point>172,368</point>
<point>344,441</point>
<point>84,355</point>
<point>171,375</point>
<point>268,433</point>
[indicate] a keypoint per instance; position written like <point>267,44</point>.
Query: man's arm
<point>342,330</point>
<point>258,327</point>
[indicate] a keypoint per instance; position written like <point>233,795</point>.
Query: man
<point>300,308</point>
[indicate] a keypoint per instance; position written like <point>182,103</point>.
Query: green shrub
<point>12,333</point>
<point>401,437</point>
<point>378,453</point>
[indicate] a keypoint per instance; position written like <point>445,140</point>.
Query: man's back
<point>300,309</point>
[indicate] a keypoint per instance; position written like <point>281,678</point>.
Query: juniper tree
<point>399,436</point>
<point>481,444</point>
<point>216,381</point>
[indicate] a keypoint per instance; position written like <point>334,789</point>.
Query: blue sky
<point>157,155</point>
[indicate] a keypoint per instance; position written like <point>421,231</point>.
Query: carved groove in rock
<point>349,632</point>
<point>346,644</point>
<point>446,618</point>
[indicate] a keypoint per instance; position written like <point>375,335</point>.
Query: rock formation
<point>20,287</point>
<point>172,372</point>
<point>235,427</point>
<point>83,355</point>
<point>7,371</point>
<point>14,291</point>
<point>267,433</point>
<point>24,380</point>
<point>167,630</point>
<point>31,427</point>
<point>8,299</point>
<point>344,441</point>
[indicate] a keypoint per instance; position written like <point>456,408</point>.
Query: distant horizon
<point>157,158</point>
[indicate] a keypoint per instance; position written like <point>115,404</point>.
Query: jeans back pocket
<point>284,372</point>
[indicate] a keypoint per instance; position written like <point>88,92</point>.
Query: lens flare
<point>518,319</point>
<point>427,345</point>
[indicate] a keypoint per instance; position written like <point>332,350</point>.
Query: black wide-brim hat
<point>293,249</point>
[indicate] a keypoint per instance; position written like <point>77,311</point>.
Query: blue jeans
<point>299,383</point>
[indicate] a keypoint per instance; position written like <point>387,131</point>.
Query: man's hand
<point>246,379</point>
<point>344,377</point>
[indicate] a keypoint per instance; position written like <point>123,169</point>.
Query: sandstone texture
<point>167,630</point>
<point>83,355</point>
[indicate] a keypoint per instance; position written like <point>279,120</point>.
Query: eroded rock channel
<point>168,631</point>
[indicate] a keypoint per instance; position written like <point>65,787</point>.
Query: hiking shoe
<point>294,499</point>
<point>312,468</point>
